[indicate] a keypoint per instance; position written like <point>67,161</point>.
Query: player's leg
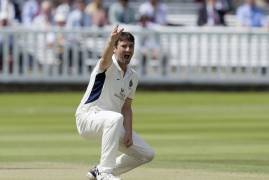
<point>107,125</point>
<point>137,154</point>
<point>110,142</point>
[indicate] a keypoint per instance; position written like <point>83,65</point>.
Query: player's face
<point>124,51</point>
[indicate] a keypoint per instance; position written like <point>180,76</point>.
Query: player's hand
<point>128,140</point>
<point>115,34</point>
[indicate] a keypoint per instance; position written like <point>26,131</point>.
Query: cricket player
<point>105,110</point>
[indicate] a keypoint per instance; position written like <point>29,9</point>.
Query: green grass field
<point>195,136</point>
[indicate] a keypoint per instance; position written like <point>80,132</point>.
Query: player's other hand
<point>115,34</point>
<point>128,140</point>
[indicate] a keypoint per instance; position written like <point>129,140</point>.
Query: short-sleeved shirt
<point>108,90</point>
<point>251,16</point>
<point>157,15</point>
<point>119,14</point>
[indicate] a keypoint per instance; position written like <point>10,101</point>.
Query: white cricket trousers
<point>108,125</point>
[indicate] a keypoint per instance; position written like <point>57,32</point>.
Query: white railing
<point>182,55</point>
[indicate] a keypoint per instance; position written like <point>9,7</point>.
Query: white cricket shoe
<point>106,176</point>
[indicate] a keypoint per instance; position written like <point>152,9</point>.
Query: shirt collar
<point>128,70</point>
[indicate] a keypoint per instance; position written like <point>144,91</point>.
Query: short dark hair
<point>125,36</point>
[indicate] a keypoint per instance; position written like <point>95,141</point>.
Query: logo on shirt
<point>121,95</point>
<point>130,83</point>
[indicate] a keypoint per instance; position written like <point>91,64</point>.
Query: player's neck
<point>123,67</point>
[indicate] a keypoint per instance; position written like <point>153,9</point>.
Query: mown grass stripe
<point>214,131</point>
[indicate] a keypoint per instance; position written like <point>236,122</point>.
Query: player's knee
<point>149,155</point>
<point>116,119</point>
<point>81,130</point>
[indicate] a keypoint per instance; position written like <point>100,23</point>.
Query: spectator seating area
<point>52,48</point>
<point>189,54</point>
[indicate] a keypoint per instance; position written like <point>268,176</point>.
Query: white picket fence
<point>184,55</point>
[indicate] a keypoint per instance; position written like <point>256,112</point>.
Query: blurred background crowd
<point>53,48</point>
<point>86,13</point>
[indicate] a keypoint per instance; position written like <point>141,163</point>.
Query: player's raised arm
<point>106,59</point>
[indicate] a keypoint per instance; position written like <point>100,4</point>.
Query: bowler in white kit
<point>105,110</point>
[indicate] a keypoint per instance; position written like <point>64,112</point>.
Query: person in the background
<point>209,15</point>
<point>98,13</point>
<point>56,40</point>
<point>5,40</point>
<point>30,10</point>
<point>149,44</point>
<point>45,18</point>
<point>121,13</point>
<point>8,8</point>
<point>223,7</point>
<point>44,21</point>
<point>250,15</point>
<point>17,10</point>
<point>155,11</point>
<point>78,17</point>
<point>64,8</point>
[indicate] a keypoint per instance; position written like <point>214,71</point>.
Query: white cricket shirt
<point>108,90</point>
